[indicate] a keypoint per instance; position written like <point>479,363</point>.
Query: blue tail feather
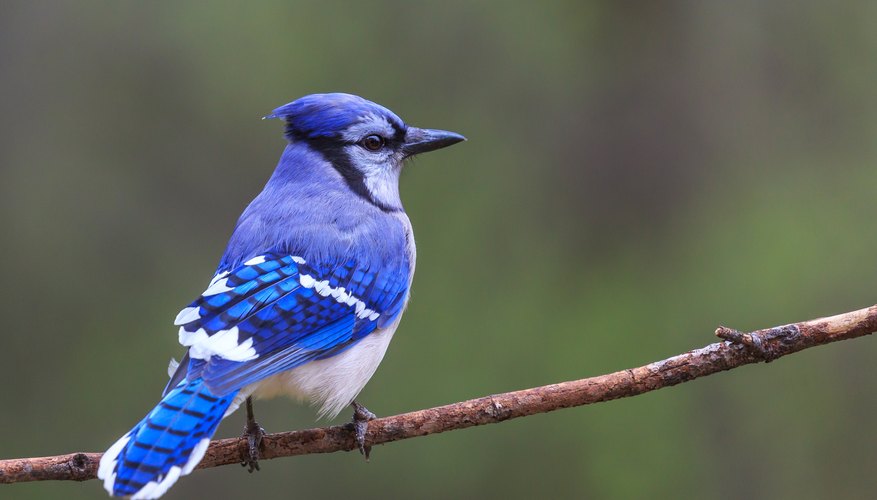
<point>168,443</point>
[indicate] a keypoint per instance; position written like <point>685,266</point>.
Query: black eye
<point>372,142</point>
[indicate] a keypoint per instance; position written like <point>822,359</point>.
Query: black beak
<point>423,140</point>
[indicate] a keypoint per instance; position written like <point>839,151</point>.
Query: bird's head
<point>365,142</point>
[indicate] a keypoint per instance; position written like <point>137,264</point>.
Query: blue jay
<point>305,299</point>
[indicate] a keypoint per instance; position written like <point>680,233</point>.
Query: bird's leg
<point>361,417</point>
<point>253,433</point>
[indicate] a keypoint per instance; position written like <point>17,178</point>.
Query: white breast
<point>333,382</point>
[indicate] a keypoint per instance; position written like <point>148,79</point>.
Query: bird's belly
<point>331,383</point>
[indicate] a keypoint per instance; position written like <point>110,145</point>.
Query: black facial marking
<point>332,150</point>
<point>399,131</point>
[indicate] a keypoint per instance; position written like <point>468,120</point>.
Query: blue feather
<point>168,443</point>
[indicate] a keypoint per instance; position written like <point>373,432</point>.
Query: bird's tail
<point>165,445</point>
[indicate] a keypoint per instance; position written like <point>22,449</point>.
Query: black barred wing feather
<point>276,312</point>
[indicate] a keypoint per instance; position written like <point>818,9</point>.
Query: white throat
<point>383,186</point>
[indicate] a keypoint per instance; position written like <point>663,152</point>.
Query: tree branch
<point>738,349</point>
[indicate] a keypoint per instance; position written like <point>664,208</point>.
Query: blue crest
<point>326,115</point>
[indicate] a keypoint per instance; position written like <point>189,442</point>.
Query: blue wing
<point>277,311</point>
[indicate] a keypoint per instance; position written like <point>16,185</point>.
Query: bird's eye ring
<point>372,142</point>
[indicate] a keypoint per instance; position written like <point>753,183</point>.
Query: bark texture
<point>737,349</point>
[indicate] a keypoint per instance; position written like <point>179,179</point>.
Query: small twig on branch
<point>737,350</point>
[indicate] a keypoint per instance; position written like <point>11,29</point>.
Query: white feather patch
<point>188,315</point>
<point>306,281</point>
<point>255,260</point>
<point>196,456</point>
<point>106,469</point>
<point>217,287</point>
<point>155,489</point>
<point>172,367</point>
<point>218,277</point>
<point>223,343</point>
<point>298,260</point>
<point>323,288</point>
<point>188,338</point>
<point>339,294</point>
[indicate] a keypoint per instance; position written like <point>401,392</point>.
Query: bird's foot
<point>361,418</point>
<point>253,433</point>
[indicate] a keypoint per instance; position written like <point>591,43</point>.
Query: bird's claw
<point>361,418</point>
<point>253,433</point>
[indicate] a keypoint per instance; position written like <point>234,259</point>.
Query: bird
<point>305,299</point>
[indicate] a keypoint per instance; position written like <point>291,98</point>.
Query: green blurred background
<point>637,173</point>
